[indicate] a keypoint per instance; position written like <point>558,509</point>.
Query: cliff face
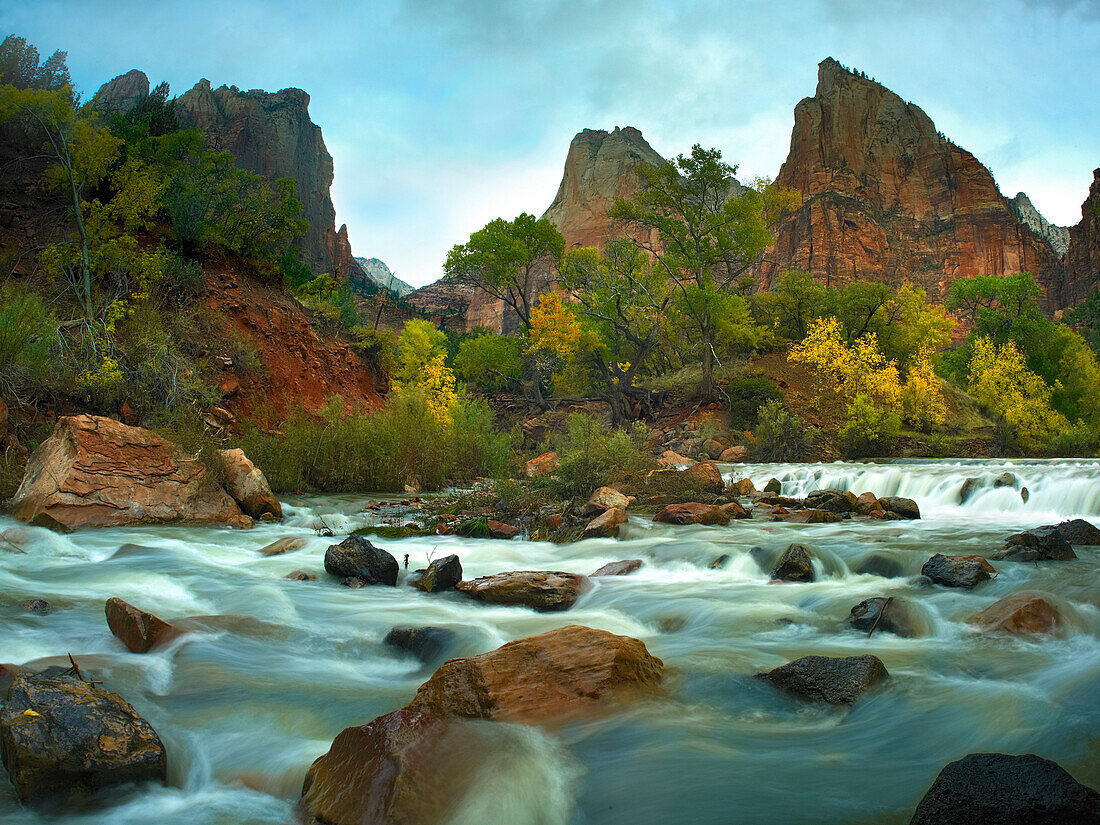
<point>122,93</point>
<point>272,134</point>
<point>1056,236</point>
<point>886,197</point>
<point>1083,254</point>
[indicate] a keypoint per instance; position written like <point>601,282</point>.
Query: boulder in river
<point>606,524</point>
<point>692,513</point>
<point>287,544</point>
<point>555,674</point>
<point>705,476</point>
<point>957,571</point>
<point>774,485</point>
<point>428,644</point>
<point>1079,532</point>
<point>618,568</point>
<point>1020,613</point>
<point>886,615</point>
<point>404,767</point>
<point>604,499</point>
<point>441,574</point>
<point>795,565</point>
<point>1040,544</point>
<point>743,487</point>
<point>880,564</point>
<point>357,558</point>
<point>96,472</point>
<point>835,681</point>
<point>61,736</point>
<point>835,501</point>
<point>138,630</point>
<point>248,485</point>
<point>1004,480</point>
<point>734,510</point>
<point>807,517</point>
<point>904,507</point>
<point>542,590</point>
<point>969,487</point>
<point>1006,789</point>
<point>866,503</point>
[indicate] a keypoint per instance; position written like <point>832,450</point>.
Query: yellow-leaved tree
<point>922,400</point>
<point>422,364</point>
<point>557,338</point>
<point>1001,381</point>
<point>853,369</point>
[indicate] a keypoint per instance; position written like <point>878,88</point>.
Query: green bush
<point>1080,442</point>
<point>591,456</point>
<point>746,396</point>
<point>28,339</point>
<point>780,436</point>
<point>377,347</point>
<point>341,451</point>
<point>870,431</point>
<point>491,363</point>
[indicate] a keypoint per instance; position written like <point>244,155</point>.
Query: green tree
<point>493,363</point>
<point>794,301</point>
<point>699,236</point>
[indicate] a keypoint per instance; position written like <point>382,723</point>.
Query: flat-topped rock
<point>834,681</point>
<point>692,512</point>
<point>1020,613</point>
<point>958,571</point>
<point>542,590</point>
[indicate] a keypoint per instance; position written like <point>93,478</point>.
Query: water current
<point>279,667</point>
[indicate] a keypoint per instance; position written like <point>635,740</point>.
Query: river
<point>245,704</point>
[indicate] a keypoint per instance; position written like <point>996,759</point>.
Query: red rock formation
<point>1083,255</point>
<point>272,134</point>
<point>886,197</point>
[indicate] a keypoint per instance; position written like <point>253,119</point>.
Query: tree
<point>700,237</point>
<point>19,67</point>
<point>422,364</point>
<point>489,361</point>
<point>793,302</point>
<point>509,261</point>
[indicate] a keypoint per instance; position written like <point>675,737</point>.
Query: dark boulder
<point>886,615</point>
<point>835,501</point>
<point>719,562</point>
<point>39,606</point>
<point>1004,480</point>
<point>60,736</point>
<point>138,630</point>
<point>442,574</point>
<point>807,517</point>
<point>795,565</point>
<point>835,681</point>
<point>1005,789</point>
<point>357,558</point>
<point>969,487</point>
<point>957,571</point>
<point>428,644</point>
<point>618,568</point>
<point>774,485</point>
<point>1079,532</point>
<point>692,513</point>
<point>1040,544</point>
<point>904,507</point>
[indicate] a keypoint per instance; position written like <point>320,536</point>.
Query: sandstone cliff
<point>886,197</point>
<point>273,135</point>
<point>1029,216</point>
<point>123,93</point>
<point>1083,254</point>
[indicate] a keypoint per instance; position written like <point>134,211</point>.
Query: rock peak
<point>123,93</point>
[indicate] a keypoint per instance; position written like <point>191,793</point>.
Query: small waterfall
<point>1057,488</point>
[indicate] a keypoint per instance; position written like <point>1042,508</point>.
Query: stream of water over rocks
<point>245,704</point>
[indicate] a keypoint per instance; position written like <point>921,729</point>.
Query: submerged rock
<point>441,574</point>
<point>554,674</point>
<point>692,513</point>
<point>618,568</point>
<point>287,544</point>
<point>39,606</point>
<point>893,615</point>
<point>60,736</point>
<point>138,630</point>
<point>1005,789</point>
<point>607,524</point>
<point>957,571</point>
<point>404,767</point>
<point>795,565</point>
<point>1040,544</point>
<point>807,517</point>
<point>835,681</point>
<point>1019,613</point>
<point>881,564</point>
<point>357,558</point>
<point>427,644</point>
<point>542,590</point>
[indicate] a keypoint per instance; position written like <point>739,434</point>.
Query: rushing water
<point>279,667</point>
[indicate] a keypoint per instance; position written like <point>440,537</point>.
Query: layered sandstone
<point>1029,216</point>
<point>1083,253</point>
<point>271,133</point>
<point>886,197</point>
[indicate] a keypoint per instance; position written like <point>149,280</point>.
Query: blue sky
<point>443,115</point>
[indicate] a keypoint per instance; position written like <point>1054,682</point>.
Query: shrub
<point>870,431</point>
<point>591,456</point>
<point>28,338</point>
<point>492,363</point>
<point>376,347</point>
<point>746,396</point>
<point>780,436</point>
<point>1079,442</point>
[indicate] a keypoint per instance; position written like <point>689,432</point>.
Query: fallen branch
<point>878,618</point>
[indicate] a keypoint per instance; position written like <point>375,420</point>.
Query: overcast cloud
<point>443,115</point>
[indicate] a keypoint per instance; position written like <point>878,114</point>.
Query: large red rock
<point>404,767</point>
<point>541,465</point>
<point>247,484</point>
<point>96,472</point>
<point>138,630</point>
<point>692,513</point>
<point>604,499</point>
<point>886,197</point>
<point>1020,613</point>
<point>705,475</point>
<point>553,675</point>
<point>606,524</point>
<point>1083,256</point>
<point>543,590</point>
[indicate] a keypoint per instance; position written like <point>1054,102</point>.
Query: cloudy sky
<point>443,115</point>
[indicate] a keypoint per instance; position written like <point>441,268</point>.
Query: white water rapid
<point>279,667</point>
